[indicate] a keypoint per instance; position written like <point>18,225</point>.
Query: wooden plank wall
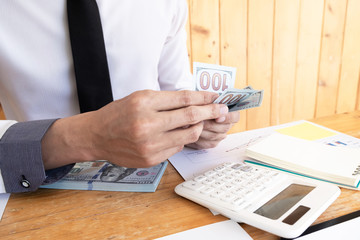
<point>305,54</point>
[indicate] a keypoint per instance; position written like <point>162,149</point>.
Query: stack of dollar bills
<point>221,79</point>
<point>104,176</point>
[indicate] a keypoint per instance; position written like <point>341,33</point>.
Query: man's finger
<point>180,136</point>
<point>168,100</point>
<point>203,144</point>
<point>232,117</point>
<point>215,127</point>
<point>191,115</point>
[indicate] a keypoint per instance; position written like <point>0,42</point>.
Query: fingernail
<point>224,110</point>
<point>220,119</point>
<point>214,97</point>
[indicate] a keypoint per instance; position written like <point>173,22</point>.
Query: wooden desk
<point>66,214</point>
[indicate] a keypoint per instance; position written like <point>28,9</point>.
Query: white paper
<point>4,197</point>
<point>346,230</point>
<point>190,163</point>
<point>228,230</point>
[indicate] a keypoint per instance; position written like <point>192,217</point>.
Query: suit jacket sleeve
<point>21,163</point>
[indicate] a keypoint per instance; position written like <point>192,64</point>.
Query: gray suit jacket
<point>21,161</point>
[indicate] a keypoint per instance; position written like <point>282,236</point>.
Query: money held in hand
<point>213,78</point>
<point>221,79</point>
<point>240,99</point>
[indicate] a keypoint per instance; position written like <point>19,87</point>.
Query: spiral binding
<point>357,171</point>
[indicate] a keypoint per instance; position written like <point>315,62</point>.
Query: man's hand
<point>215,130</point>
<point>140,130</point>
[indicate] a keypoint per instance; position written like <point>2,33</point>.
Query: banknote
<point>105,176</point>
<point>213,78</point>
<point>240,99</point>
<point>254,100</point>
<point>233,96</point>
<point>221,79</point>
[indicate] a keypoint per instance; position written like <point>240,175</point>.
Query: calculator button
<point>237,166</point>
<point>266,172</point>
<point>238,190</point>
<point>246,168</point>
<point>228,178</point>
<point>228,187</point>
<point>218,184</point>
<point>219,175</point>
<point>208,181</point>
<point>250,184</point>
<point>248,175</point>
<point>199,178</point>
<point>217,193</point>
<point>276,175</point>
<point>245,183</point>
<point>210,173</point>
<point>238,181</point>
<point>193,185</point>
<point>238,173</point>
<point>219,168</point>
<point>259,177</point>
<point>259,187</point>
<point>207,190</point>
<point>249,194</point>
<point>227,171</point>
<point>238,202</point>
<point>227,197</point>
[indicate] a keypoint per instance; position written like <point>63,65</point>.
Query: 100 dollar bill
<point>221,79</point>
<point>213,78</point>
<point>104,176</point>
<point>240,99</point>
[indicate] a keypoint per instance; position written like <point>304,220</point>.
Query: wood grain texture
<point>260,47</point>
<point>204,27</point>
<point>308,52</point>
<point>70,214</point>
<point>233,40</point>
<point>348,93</point>
<point>303,53</point>
<point>330,57</point>
<point>284,60</point>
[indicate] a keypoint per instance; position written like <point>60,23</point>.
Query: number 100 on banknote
<point>213,78</point>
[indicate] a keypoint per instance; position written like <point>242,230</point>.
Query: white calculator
<point>266,199</point>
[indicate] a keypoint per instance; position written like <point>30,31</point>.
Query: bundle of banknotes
<point>221,79</point>
<point>104,176</point>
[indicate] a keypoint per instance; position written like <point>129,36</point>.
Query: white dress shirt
<point>145,43</point>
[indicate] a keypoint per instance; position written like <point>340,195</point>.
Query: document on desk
<point>228,230</point>
<point>190,163</point>
<point>4,197</point>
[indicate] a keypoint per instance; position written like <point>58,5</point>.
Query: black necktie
<point>89,55</point>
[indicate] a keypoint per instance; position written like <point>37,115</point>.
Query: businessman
<point>154,112</point>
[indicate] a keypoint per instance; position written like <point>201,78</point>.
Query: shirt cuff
<point>21,163</point>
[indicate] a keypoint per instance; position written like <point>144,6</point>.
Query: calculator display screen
<point>283,201</point>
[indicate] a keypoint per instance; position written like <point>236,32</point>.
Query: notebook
<point>339,165</point>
